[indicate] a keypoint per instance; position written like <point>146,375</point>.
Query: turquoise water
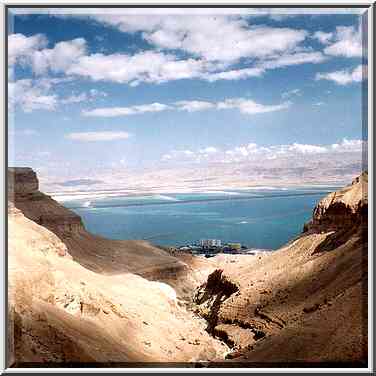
<point>259,218</point>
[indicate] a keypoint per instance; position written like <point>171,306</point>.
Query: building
<point>210,243</point>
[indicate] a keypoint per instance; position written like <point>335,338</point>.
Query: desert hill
<point>305,302</point>
<point>93,252</point>
<point>63,313</point>
<point>75,298</point>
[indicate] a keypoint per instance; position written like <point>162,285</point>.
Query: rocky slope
<point>76,298</point>
<point>96,253</point>
<point>305,302</point>
<point>63,314</point>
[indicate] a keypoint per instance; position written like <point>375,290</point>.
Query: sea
<point>258,217</point>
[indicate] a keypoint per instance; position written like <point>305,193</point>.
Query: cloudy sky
<point>129,89</point>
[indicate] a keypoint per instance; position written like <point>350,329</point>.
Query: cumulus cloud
<point>158,67</point>
<point>193,106</point>
<point>323,37</point>
<point>97,136</point>
<point>245,106</point>
<point>294,59</point>
<point>257,153</point>
<point>38,94</point>
<point>148,66</point>
<point>344,77</point>
<point>125,111</point>
<point>248,106</point>
<point>268,48</point>
<point>59,58</point>
<point>347,42</point>
<point>213,37</point>
<point>274,62</point>
<point>21,46</point>
<point>349,146</point>
<point>234,74</point>
<point>32,51</point>
<point>305,149</point>
<point>28,97</point>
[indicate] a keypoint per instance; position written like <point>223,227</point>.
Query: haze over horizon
<point>158,97</point>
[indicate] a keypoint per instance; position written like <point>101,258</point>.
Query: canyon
<point>77,299</point>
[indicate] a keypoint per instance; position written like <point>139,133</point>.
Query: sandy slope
<point>297,304</point>
<point>64,312</point>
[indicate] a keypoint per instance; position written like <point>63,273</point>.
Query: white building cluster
<point>210,243</point>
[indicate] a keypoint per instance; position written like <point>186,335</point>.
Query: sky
<point>133,89</point>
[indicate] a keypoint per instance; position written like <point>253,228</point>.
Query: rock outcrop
<point>22,181</point>
<point>344,209</point>
<point>24,194</point>
<point>94,252</point>
<point>305,302</point>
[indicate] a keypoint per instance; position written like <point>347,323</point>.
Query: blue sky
<point>130,89</point>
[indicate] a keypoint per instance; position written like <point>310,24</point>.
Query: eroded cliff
<point>94,252</point>
<point>305,302</point>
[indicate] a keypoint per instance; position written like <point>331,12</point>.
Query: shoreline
<point>63,196</point>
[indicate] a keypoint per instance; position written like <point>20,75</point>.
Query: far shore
<point>82,194</point>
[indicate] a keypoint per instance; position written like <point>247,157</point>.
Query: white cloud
<point>97,136</point>
<point>306,149</point>
<point>32,50</point>
<point>148,66</point>
<point>277,61</point>
<point>344,77</point>
<point>318,104</point>
<point>21,46</point>
<point>294,59</point>
<point>248,106</point>
<point>193,106</point>
<point>256,153</point>
<point>124,111</point>
<point>259,154</point>
<point>323,37</point>
<point>213,37</point>
<point>29,97</point>
<point>156,67</point>
<point>59,58</point>
<point>235,74</point>
<point>347,42</point>
<point>348,146</point>
<point>269,48</point>
<point>245,106</point>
